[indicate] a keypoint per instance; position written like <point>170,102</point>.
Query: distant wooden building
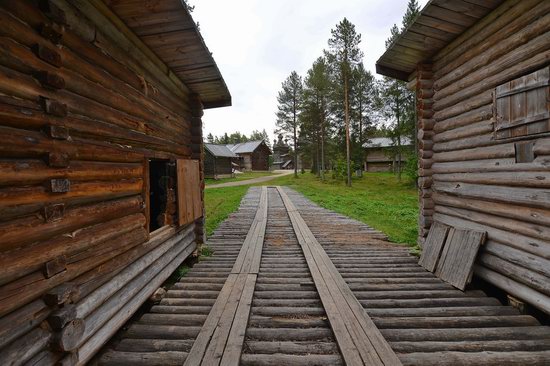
<point>100,166</point>
<point>481,75</point>
<point>218,161</point>
<point>252,155</point>
<point>381,155</point>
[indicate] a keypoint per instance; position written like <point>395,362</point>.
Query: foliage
<point>180,272</point>
<point>206,251</point>
<point>339,170</point>
<point>237,137</point>
<point>343,56</point>
<point>411,167</point>
<point>289,107</point>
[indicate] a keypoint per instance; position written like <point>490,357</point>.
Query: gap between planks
<point>221,338</point>
<point>358,338</point>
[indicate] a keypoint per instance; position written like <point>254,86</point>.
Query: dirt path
<point>281,173</point>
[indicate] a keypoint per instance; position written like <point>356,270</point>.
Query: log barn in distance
<point>218,161</point>
<point>101,179</point>
<point>481,74</point>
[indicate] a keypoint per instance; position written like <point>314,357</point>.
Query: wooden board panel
<point>459,253</point>
<point>189,191</point>
<point>433,246</point>
<point>222,336</point>
<point>359,340</point>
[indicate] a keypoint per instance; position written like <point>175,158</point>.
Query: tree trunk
<point>323,144</point>
<point>346,117</point>
<point>295,140</point>
<point>399,157</point>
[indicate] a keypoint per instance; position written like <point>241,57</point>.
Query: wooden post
<point>424,93</point>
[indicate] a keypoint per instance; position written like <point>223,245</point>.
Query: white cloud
<point>257,43</point>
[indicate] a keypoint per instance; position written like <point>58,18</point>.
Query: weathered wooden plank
<point>433,246</point>
<point>222,336</point>
<point>366,339</point>
<point>459,253</point>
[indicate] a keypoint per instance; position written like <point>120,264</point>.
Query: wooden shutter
<point>521,105</point>
<point>189,191</point>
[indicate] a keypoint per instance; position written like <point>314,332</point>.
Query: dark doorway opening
<point>162,193</point>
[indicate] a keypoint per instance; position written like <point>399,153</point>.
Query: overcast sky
<point>258,43</point>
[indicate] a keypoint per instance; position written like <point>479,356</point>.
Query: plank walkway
<point>291,283</point>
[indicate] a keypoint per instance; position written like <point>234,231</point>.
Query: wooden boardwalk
<point>291,283</point>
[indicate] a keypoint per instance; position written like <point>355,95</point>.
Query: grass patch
<point>238,177</point>
<point>219,203</point>
<point>206,251</point>
<point>376,199</point>
<point>180,272</point>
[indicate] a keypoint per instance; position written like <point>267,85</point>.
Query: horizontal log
<point>520,274</point>
<point>472,346</point>
<point>27,259</point>
<point>480,114</point>
<point>508,60</point>
<point>81,43</point>
<point>27,88</point>
<point>541,232</point>
<point>521,242</point>
<point>33,196</point>
<point>20,58</point>
<point>516,179</point>
<point>21,321</point>
<point>474,129</point>
<point>28,172</point>
<point>159,358</point>
<point>466,334</point>
<point>103,313</point>
<point>529,214</point>
<point>291,360</point>
<point>533,197</point>
<point>490,152</point>
<point>541,163</point>
<point>29,116</point>
<point>25,347</point>
<point>516,256</point>
<point>32,286</point>
<point>28,230</point>
<point>434,322</point>
<point>30,144</point>
<point>88,349</point>
<point>472,358</point>
<point>484,38</point>
<point>101,294</point>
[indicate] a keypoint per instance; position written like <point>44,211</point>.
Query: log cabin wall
<point>424,103</point>
<point>478,181</point>
<point>82,111</point>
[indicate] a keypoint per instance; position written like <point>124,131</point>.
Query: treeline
<point>329,113</point>
<point>237,137</point>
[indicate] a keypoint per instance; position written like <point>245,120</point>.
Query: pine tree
<point>413,9</point>
<point>315,113</point>
<point>210,138</point>
<point>288,111</point>
<point>396,101</point>
<point>364,93</point>
<point>257,135</point>
<point>344,54</point>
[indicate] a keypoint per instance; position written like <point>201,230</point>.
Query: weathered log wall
<point>81,112</point>
<point>474,180</point>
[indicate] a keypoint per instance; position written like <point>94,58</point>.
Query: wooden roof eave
<point>441,20</point>
<point>176,43</point>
